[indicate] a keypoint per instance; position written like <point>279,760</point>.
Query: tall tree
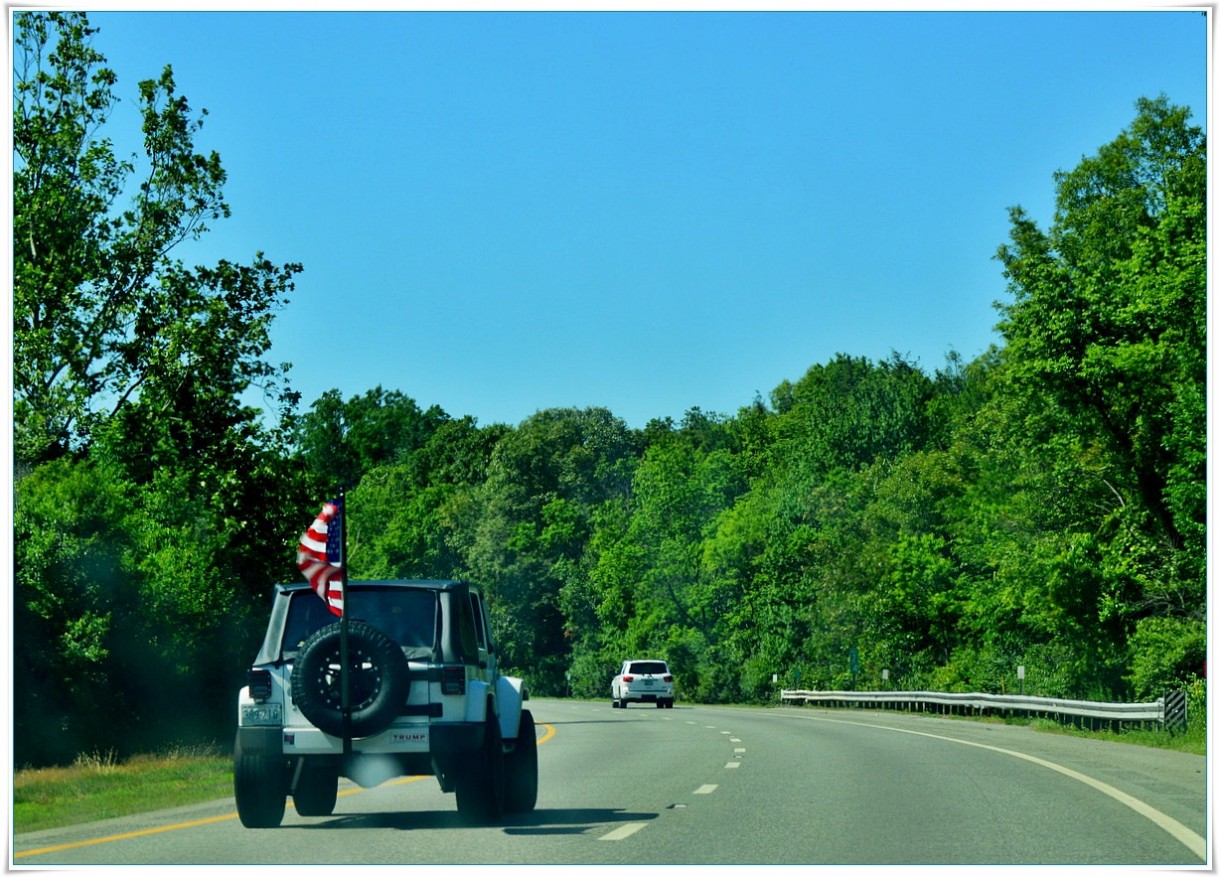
<point>340,441</point>
<point>1108,319</point>
<point>653,589</point>
<point>545,481</point>
<point>150,500</point>
<point>849,412</point>
<point>102,313</point>
<point>406,515</point>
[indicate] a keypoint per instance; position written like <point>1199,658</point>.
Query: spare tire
<point>379,679</point>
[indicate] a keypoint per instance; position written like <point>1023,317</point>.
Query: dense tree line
<point>1042,505</point>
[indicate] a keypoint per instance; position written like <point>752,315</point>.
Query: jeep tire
<point>317,789</point>
<point>378,686</point>
<point>260,787</point>
<point>521,769</point>
<point>480,780</point>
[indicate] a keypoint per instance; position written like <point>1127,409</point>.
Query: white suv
<point>643,681</point>
<point>424,697</point>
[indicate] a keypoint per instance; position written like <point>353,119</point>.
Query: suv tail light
<point>453,680</point>
<point>629,679</point>
<point>260,685</point>
<point>668,678</point>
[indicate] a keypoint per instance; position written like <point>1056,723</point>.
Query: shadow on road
<point>537,822</point>
<point>574,821</point>
<point>616,716</point>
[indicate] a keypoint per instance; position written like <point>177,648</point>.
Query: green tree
<point>532,519</point>
<point>152,504</point>
<point>339,441</point>
<point>1108,319</point>
<point>102,313</point>
<point>655,592</point>
<point>849,412</point>
<point>406,516</point>
<point>72,595</point>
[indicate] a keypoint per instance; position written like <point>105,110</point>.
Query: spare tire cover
<point>379,679</point>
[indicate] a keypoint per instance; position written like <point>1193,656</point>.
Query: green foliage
<point>340,441</point>
<point>405,515</point>
<point>150,501</point>
<point>102,313</point>
<point>850,412</point>
<point>1166,654</point>
<point>128,618</point>
<point>1108,323</point>
<point>70,590</point>
<point>533,515</point>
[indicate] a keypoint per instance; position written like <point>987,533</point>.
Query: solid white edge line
<point>1177,830</point>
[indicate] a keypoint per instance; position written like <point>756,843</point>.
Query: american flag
<point>320,555</point>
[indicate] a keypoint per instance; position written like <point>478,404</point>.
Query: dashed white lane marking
<point>625,830</point>
<point>629,828</point>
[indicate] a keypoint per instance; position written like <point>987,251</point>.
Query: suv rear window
<point>656,668</point>
<point>406,615</point>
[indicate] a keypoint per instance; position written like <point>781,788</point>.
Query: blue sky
<point>502,212</point>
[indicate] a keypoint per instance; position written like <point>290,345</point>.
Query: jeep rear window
<point>406,615</point>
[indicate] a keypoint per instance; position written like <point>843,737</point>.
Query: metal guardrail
<point>998,704</point>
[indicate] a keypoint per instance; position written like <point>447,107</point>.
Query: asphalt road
<point>727,785</point>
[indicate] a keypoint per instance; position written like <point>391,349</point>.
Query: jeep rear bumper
<point>439,738</point>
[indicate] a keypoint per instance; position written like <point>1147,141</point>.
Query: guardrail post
<point>1173,714</point>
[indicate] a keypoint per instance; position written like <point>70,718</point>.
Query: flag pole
<point>344,675</point>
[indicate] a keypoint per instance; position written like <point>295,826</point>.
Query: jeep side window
<point>466,630</point>
<point>480,631</point>
<point>485,620</point>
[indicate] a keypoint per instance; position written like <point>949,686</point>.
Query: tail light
<point>668,678</point>
<point>453,680</point>
<point>629,679</point>
<point>260,685</point>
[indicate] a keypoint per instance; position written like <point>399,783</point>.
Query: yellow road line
<point>550,732</point>
<point>125,836</point>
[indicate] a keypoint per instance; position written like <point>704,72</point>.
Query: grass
<point>1193,740</point>
<point>98,786</point>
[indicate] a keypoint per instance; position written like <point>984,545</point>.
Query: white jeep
<point>424,697</point>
